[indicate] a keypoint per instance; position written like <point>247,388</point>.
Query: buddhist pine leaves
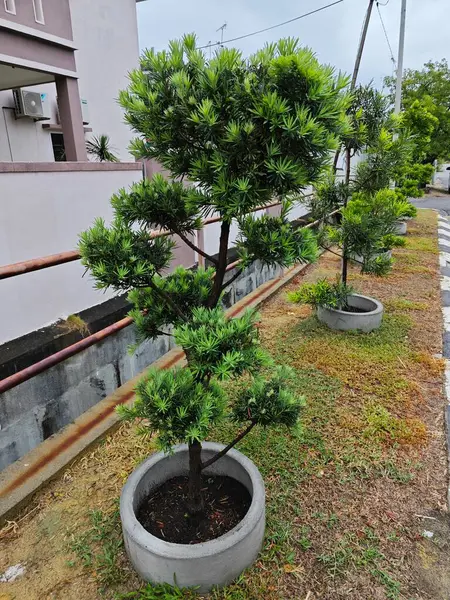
<point>181,404</point>
<point>217,346</point>
<point>216,121</point>
<point>176,405</point>
<point>121,258</point>
<point>273,240</point>
<point>270,401</point>
<point>188,288</point>
<point>168,205</point>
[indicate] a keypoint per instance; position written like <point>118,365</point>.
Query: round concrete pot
<point>346,321</point>
<point>205,565</point>
<point>401,227</point>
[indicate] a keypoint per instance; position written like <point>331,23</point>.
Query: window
<point>59,150</point>
<point>38,12</point>
<point>10,6</point>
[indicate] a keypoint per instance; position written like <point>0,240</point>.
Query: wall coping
<point>63,167</point>
<point>37,33</point>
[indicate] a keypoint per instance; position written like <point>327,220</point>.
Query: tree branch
<point>159,332</point>
<point>222,264</point>
<point>212,460</point>
<point>188,242</point>
<point>167,299</point>
<point>232,279</point>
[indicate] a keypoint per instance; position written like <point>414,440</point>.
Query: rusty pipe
<point>52,260</point>
<point>50,361</point>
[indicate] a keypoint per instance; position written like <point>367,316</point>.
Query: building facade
<point>75,55</point>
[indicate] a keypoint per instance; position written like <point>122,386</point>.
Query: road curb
<point>444,264</point>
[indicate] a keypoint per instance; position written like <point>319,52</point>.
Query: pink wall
<point>56,16</point>
<point>17,45</point>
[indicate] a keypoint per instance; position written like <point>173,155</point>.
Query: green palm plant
<point>99,147</point>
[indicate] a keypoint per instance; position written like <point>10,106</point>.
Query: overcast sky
<point>333,33</point>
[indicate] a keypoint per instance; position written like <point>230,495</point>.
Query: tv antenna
<point>222,29</point>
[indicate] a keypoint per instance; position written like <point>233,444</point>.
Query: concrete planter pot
<point>209,564</point>
<point>359,259</point>
<point>342,320</point>
<point>401,227</point>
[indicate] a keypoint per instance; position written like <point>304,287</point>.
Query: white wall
<point>25,139</point>
<point>105,33</point>
<point>41,214</point>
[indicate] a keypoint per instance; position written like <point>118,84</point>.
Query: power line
<point>385,33</point>
<point>241,37</point>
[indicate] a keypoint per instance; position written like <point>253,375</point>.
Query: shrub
<point>322,293</point>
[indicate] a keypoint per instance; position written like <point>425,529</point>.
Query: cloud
<point>333,34</point>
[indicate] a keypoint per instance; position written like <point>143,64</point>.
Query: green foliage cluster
<point>219,347</point>
<point>244,128</point>
<point>123,258</point>
<point>430,87</point>
<point>275,241</point>
<point>368,114</point>
<point>329,196</point>
<point>269,401</point>
<point>182,404</point>
<point>322,293</point>
<point>100,149</point>
<point>386,161</point>
<point>187,289</point>
<point>368,228</point>
<point>176,405</point>
<point>169,205</point>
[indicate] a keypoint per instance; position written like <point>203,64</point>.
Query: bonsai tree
<point>234,133</point>
<point>365,233</point>
<point>367,230</point>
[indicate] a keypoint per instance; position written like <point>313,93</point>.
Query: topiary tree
<point>234,133</point>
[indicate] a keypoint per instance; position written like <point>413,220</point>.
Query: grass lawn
<point>356,501</point>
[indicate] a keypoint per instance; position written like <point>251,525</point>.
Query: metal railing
<point>45,262</point>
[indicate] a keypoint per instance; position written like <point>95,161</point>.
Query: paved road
<point>441,203</point>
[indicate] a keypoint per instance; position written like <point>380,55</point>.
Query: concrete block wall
<point>40,407</point>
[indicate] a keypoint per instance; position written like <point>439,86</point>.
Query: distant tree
<point>367,114</point>
<point>431,87</point>
<point>421,124</point>
<point>99,147</point>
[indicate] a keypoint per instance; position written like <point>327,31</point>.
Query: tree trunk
<point>344,250</point>
<point>347,166</point>
<point>335,161</point>
<point>221,265</point>
<point>195,499</point>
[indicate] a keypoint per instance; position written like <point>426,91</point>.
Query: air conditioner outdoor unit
<point>28,104</point>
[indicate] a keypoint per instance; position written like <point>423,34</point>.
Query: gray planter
<point>401,227</point>
<point>209,564</point>
<point>345,321</point>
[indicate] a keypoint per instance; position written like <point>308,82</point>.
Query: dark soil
<point>354,309</point>
<point>164,514</point>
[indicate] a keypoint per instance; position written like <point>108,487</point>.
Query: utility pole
<point>361,44</point>
<point>401,49</point>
